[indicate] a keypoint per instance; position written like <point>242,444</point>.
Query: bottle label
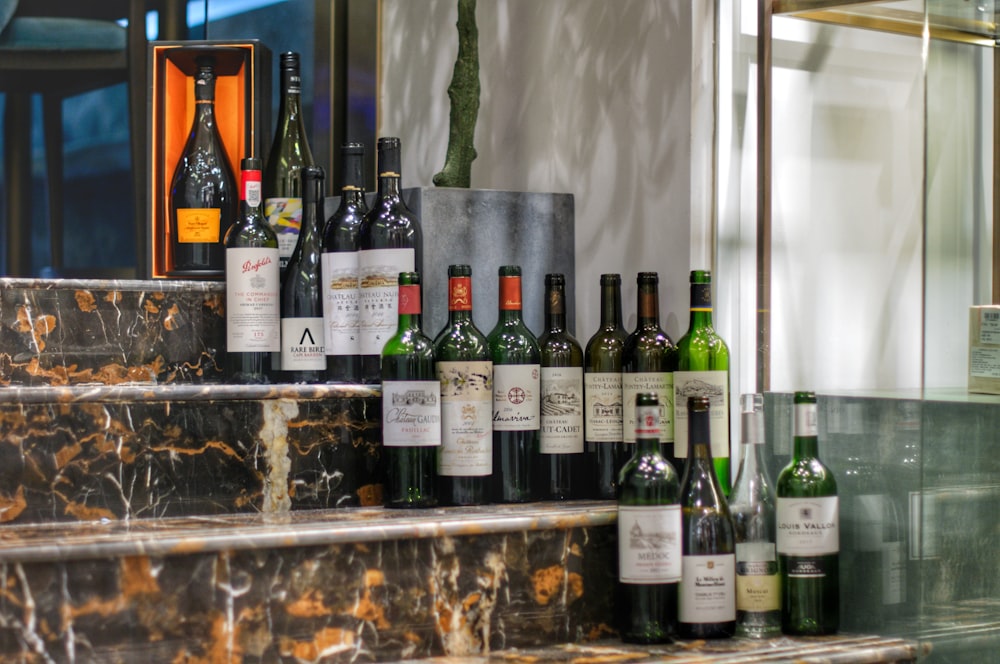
<point>409,300</point>
<point>252,309</point>
<point>198,225</point>
<point>515,397</point>
<point>411,413</point>
<point>893,570</point>
<point>708,589</point>
<point>251,188</point>
<point>285,217</point>
<point>562,410</point>
<point>660,382</point>
<point>510,293</point>
<point>603,406</point>
<point>466,418</point>
<point>302,344</point>
<point>647,422</point>
<point>758,587</point>
<point>459,294</point>
<point>808,526</point>
<point>715,386</point>
<point>989,327</point>
<point>378,274</point>
<point>339,272</point>
<point>806,422</point>
<point>649,544</point>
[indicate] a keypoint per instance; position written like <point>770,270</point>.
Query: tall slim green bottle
<point>602,382</point>
<point>649,535</point>
<point>411,406</point>
<point>703,370</point>
<point>808,532</point>
<point>516,396</point>
<point>560,465</point>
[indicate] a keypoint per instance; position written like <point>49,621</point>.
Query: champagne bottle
<point>303,358</point>
<point>411,405</point>
<point>649,359</point>
<point>340,272</point>
<point>253,316</point>
<point>602,361</point>
<point>649,535</point>
<point>390,242</point>
<point>516,389</point>
<point>808,539</point>
<point>758,588</point>
<point>703,370</point>
<point>203,190</point>
<point>708,565</point>
<point>466,373</point>
<point>560,465</point>
<point>290,152</point>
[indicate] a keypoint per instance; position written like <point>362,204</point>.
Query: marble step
<point>360,584</point>
<point>126,452</point>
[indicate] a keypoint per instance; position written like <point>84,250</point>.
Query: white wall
<point>590,97</point>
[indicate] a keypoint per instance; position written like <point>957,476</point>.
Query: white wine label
<point>808,526</point>
<point>252,310</point>
<point>649,543</point>
<point>562,410</point>
<point>516,390</point>
<point>708,589</point>
<point>285,217</point>
<point>659,382</point>
<point>411,413</point>
<point>989,326</point>
<point>893,573</point>
<point>758,587</point>
<point>715,386</point>
<point>302,344</point>
<point>466,419</point>
<point>378,275</point>
<point>339,271</point>
<point>806,421</point>
<point>984,362</point>
<point>603,406</point>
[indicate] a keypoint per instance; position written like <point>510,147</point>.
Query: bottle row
<point>695,565</point>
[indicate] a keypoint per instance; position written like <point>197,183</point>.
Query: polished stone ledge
<point>144,392</point>
<point>256,532</point>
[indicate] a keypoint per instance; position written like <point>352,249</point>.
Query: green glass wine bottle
<point>708,567</point>
<point>808,536</point>
<point>703,370</point>
<point>649,535</point>
<point>560,465</point>
<point>602,383</point>
<point>466,373</point>
<point>411,406</point>
<point>516,391</point>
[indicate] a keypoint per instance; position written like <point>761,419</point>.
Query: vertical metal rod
<point>995,299</point>
<point>764,15</point>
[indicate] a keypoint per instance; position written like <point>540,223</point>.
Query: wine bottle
<point>303,358</point>
<point>253,316</point>
<point>560,465</point>
<point>340,272</point>
<point>516,388</point>
<point>411,405</point>
<point>602,382</point>
<point>758,589</point>
<point>290,152</point>
<point>649,359</point>
<point>703,370</point>
<point>465,369</point>
<point>203,194</point>
<point>390,242</point>
<point>649,535</point>
<point>708,565</point>
<point>808,539</point>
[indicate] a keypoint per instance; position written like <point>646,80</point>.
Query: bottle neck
<point>353,189</point>
<point>459,299</point>
<point>388,185</point>
<point>701,306</point>
<point>555,309</point>
<point>648,309</point>
<point>410,319</point>
<point>700,445</point>
<point>291,94</point>
<point>250,193</point>
<point>510,299</point>
<point>611,307</point>
<point>312,212</point>
<point>806,434</point>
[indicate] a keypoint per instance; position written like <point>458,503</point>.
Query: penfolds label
<point>251,187</point>
<point>411,413</point>
<point>516,390</point>
<point>562,410</point>
<point>466,418</point>
<point>658,382</point>
<point>252,309</point>
<point>339,271</point>
<point>715,386</point>
<point>603,406</point>
<point>649,543</point>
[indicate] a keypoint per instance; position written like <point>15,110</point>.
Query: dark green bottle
<point>516,396</point>
<point>411,406</point>
<point>649,535</point>
<point>602,382</point>
<point>649,359</point>
<point>465,369</point>
<point>808,532</point>
<point>561,437</point>
<point>703,370</point>
<point>253,322</point>
<point>708,583</point>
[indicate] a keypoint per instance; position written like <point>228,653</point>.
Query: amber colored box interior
<point>242,103</point>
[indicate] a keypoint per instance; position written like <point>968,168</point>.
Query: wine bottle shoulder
<point>251,234</point>
<point>806,478</point>
<point>342,230</point>
<point>560,350</point>
<point>463,342</point>
<point>513,344</point>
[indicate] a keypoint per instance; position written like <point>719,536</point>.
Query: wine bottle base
<point>196,274</point>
